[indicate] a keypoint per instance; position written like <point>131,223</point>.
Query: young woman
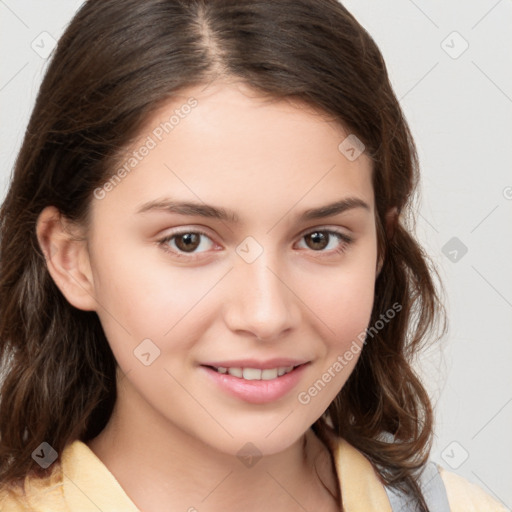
<point>210,298</point>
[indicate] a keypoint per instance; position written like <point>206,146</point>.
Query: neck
<point>162,467</point>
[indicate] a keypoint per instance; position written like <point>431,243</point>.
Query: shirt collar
<point>88,484</point>
<point>361,488</point>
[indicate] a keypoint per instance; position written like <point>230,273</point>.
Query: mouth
<point>256,385</point>
<point>254,373</point>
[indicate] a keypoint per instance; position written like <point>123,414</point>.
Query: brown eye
<point>326,241</point>
<point>188,242</point>
<point>319,240</point>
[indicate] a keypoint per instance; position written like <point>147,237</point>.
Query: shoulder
<point>464,496</point>
<point>360,482</point>
<point>78,481</point>
<point>34,495</point>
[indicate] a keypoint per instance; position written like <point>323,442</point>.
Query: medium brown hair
<point>116,63</point>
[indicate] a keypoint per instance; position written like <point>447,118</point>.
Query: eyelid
<point>183,231</point>
<point>328,229</point>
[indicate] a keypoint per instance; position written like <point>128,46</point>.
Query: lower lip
<point>257,391</point>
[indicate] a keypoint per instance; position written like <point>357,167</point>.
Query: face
<point>219,265</point>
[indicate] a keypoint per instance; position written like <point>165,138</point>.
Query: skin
<point>174,436</point>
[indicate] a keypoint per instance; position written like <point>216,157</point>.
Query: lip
<point>254,363</point>
<point>256,391</point>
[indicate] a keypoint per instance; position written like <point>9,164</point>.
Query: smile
<point>255,385</point>
<point>255,373</point>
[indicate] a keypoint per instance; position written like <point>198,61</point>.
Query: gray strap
<point>433,489</point>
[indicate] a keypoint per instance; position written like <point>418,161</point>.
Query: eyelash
<point>344,239</point>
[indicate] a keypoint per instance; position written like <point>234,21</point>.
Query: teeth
<point>251,374</point>
<point>270,373</point>
<point>236,372</point>
<point>255,373</point>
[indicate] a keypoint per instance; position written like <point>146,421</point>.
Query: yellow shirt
<point>82,483</point>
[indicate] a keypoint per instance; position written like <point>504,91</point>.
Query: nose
<point>261,301</point>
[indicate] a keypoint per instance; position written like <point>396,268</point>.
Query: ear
<point>67,258</point>
<point>391,221</point>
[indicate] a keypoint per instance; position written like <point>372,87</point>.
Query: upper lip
<point>254,363</point>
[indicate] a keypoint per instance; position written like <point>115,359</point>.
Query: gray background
<point>458,102</point>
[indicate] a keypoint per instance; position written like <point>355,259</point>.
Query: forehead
<point>229,143</point>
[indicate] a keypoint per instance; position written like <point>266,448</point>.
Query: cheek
<point>142,298</point>
<point>345,315</point>
<point>343,302</point>
<point>343,296</point>
<point>350,303</point>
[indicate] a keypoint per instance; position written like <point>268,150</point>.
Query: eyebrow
<point>215,212</point>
